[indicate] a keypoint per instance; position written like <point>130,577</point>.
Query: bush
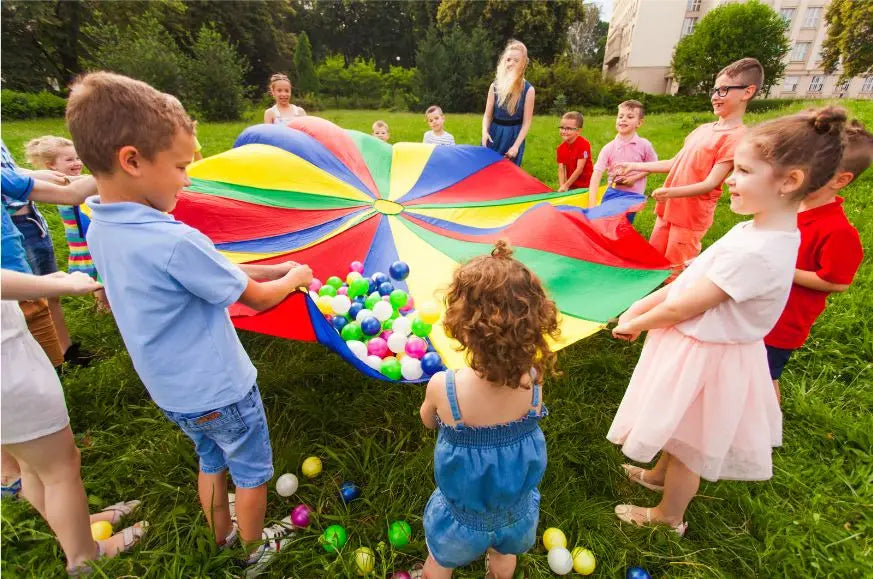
<point>20,105</point>
<point>215,78</point>
<point>456,69</point>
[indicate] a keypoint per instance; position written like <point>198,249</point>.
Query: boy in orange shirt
<point>686,202</point>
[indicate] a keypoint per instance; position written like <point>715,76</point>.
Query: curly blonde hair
<point>500,313</point>
<point>42,151</point>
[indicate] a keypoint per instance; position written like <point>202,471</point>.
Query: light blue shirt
<point>169,289</point>
<point>16,187</point>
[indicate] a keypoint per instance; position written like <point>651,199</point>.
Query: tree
<point>848,42</point>
<point>456,68</point>
<point>586,38</point>
<point>215,77</point>
<point>727,34</point>
<point>333,77</point>
<point>307,81</point>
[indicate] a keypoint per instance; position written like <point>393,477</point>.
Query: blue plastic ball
<point>431,363</point>
<point>356,307</point>
<point>379,278</point>
<point>385,288</point>
<point>339,322</point>
<point>373,286</point>
<point>371,326</point>
<point>349,491</point>
<point>637,573</point>
<point>360,299</point>
<point>399,270</point>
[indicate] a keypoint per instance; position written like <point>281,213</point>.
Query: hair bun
<point>829,119</point>
<point>501,249</point>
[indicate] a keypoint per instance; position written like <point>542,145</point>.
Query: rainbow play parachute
<point>317,194</point>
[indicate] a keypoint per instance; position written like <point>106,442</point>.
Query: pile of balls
<point>380,323</point>
<point>562,561</point>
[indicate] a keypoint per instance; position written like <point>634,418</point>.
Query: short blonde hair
<point>42,151</point>
<point>380,125</point>
<point>434,109</point>
<point>634,104</point>
<point>107,111</point>
<point>576,116</point>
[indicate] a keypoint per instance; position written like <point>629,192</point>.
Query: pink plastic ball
<point>342,291</point>
<point>386,334</point>
<point>315,285</point>
<point>300,516</point>
<point>416,347</point>
<point>410,305</point>
<point>357,266</point>
<point>378,347</point>
<point>401,575</point>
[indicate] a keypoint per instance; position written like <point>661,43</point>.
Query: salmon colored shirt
<point>704,148</point>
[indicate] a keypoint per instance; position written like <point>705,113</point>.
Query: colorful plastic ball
<point>365,561</point>
<point>379,278</point>
<point>399,534</point>
<point>391,368</point>
<point>387,324</point>
<point>373,299</point>
<point>339,322</point>
<point>343,291</point>
<point>554,537</point>
<point>397,342</point>
<point>383,311</point>
<point>421,328</point>
<point>370,326</point>
<point>341,304</point>
<point>416,347</point>
<point>386,333</point>
<point>560,561</point>
<point>352,331</point>
<point>334,281</point>
<point>428,312</point>
<point>584,562</point>
<point>374,362</point>
<point>355,309</point>
<point>359,287</point>
<point>286,485</point>
<point>373,286</point>
<point>400,575</point>
<point>101,530</point>
<point>360,299</point>
<point>364,313</point>
<point>410,305</point>
<point>410,368</point>
<point>398,298</point>
<point>315,285</point>
<point>377,347</point>
<point>431,363</point>
<point>636,573</point>
<point>352,276</point>
<point>349,491</point>
<point>311,467</point>
<point>327,290</point>
<point>386,288</point>
<point>359,349</point>
<point>334,538</point>
<point>300,516</point>
<point>399,270</point>
<point>325,304</point>
<point>356,266</point>
<point>402,326</point>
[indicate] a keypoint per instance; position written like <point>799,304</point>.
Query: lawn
<point>814,518</point>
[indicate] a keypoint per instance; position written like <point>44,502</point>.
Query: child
<point>490,454</point>
<point>626,147</point>
<point>701,390</point>
<point>284,111</point>
<point>573,155</point>
<point>830,254</point>
<point>380,131</point>
<point>509,105</point>
<point>169,288</point>
<point>436,135</point>
<point>36,428</point>
<point>686,202</point>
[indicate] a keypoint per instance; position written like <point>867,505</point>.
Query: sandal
<point>121,510</point>
<point>637,475</point>
<point>626,514</point>
<point>130,537</point>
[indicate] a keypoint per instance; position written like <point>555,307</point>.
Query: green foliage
<point>848,43</point>
<point>19,105</point>
<point>365,82</point>
<point>333,77</point>
<point>456,68</point>
<point>729,33</point>
<point>580,85</point>
<point>306,81</point>
<point>400,87</point>
<point>215,78</point>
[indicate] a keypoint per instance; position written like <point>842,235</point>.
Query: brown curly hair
<point>499,311</point>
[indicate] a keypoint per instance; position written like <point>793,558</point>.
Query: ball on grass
<point>399,534</point>
<point>101,530</point>
<point>286,485</point>
<point>584,562</point>
<point>311,467</point>
<point>560,561</point>
<point>365,561</point>
<point>554,537</point>
<point>300,516</point>
<point>334,538</point>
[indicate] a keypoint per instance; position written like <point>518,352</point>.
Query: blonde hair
<point>42,151</point>
<point>380,125</point>
<point>278,77</point>
<point>635,105</point>
<point>433,109</point>
<point>509,89</point>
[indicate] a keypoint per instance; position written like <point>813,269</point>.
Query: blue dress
<point>505,127</point>
<point>487,480</point>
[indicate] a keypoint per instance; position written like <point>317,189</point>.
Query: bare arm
<point>811,280</point>
<point>262,296</point>
<point>562,176</point>
<point>267,272</point>
<point>73,194</point>
<point>714,180</point>
<point>580,166</point>
<point>650,167</point>
<point>55,177</point>
<point>428,411</point>
<point>269,116</point>
<point>594,187</point>
<point>23,286</point>
<point>489,114</point>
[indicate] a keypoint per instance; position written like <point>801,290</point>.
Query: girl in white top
<point>701,391</point>
<point>283,111</point>
<point>35,429</point>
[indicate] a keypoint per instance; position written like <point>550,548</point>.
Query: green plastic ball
<point>327,290</point>
<point>359,287</point>
<point>386,325</point>
<point>420,328</point>
<point>372,300</point>
<point>398,298</point>
<point>352,331</point>
<point>334,281</point>
<point>391,368</point>
<point>334,538</point>
<point>399,534</point>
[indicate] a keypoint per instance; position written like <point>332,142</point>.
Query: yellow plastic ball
<point>353,275</point>
<point>101,530</point>
<point>311,467</point>
<point>554,537</point>
<point>365,561</point>
<point>583,561</point>
<point>325,304</point>
<point>428,312</point>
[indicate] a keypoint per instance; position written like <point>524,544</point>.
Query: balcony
<point>612,54</point>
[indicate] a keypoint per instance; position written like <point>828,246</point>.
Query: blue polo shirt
<point>169,289</point>
<point>16,187</point>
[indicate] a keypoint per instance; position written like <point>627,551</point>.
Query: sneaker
<point>276,537</point>
<point>78,356</point>
<point>11,490</point>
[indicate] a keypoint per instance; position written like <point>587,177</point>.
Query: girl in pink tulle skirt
<point>701,392</point>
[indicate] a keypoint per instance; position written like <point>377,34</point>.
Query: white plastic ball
<point>364,313</point>
<point>397,342</point>
<point>286,485</point>
<point>410,368</point>
<point>560,561</point>
<point>341,304</point>
<point>402,326</point>
<point>374,362</point>
<point>383,311</point>
<point>358,348</point>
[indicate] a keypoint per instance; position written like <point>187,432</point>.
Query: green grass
<point>814,518</point>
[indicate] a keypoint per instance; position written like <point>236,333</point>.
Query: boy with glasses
<point>574,154</point>
<point>686,202</point>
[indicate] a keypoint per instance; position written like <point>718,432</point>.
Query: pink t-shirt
<point>618,150</point>
<point>706,146</point>
<point>755,267</point>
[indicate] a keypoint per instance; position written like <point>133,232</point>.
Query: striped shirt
<point>80,257</point>
<point>445,139</point>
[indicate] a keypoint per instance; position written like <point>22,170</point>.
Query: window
<point>813,15</point>
<point>790,83</point>
<point>688,26</point>
<point>693,6</point>
<point>799,52</point>
<point>816,84</point>
<point>787,15</point>
<point>868,84</point>
<point>842,87</point>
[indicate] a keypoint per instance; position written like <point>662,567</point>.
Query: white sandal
<point>120,510</point>
<point>637,475</point>
<point>626,514</point>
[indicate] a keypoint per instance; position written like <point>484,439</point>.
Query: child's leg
<point>251,508</point>
<point>500,566</point>
<point>433,570</point>
<point>57,314</point>
<point>11,472</point>
<point>778,392</point>
<point>680,486</point>
<point>212,488</point>
<point>660,235</point>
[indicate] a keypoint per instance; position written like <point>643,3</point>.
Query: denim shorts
<point>234,437</point>
<point>37,243</point>
<point>776,359</point>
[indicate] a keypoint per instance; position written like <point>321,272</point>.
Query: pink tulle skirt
<point>710,405</point>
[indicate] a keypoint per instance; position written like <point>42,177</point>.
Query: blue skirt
<point>503,137</point>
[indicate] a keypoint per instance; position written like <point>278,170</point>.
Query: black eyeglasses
<point>724,90</point>
<point>569,128</point>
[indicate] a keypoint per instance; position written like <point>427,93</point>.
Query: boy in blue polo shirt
<point>170,288</point>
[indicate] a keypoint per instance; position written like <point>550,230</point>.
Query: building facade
<point>643,33</point>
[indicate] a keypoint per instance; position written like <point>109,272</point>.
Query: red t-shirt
<point>569,155</point>
<point>831,247</point>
